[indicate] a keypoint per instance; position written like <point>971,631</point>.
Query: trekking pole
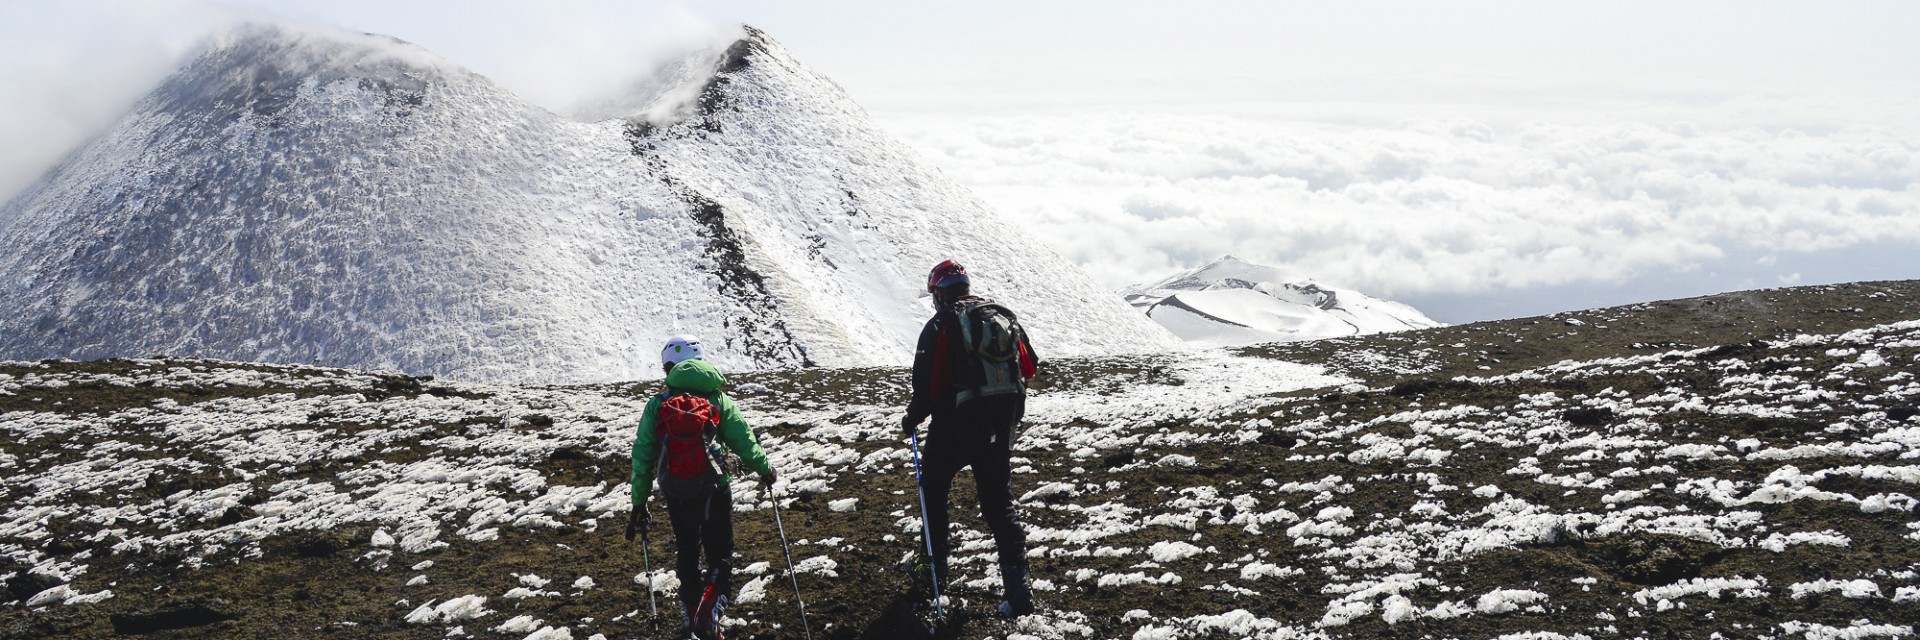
<point>926,527</point>
<point>782,527</point>
<point>648,561</point>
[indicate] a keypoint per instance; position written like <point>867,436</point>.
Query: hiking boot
<point>1018,587</point>
<point>1009,610</point>
<point>706,619</point>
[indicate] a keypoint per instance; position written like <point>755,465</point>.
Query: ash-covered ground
<point>1740,464</point>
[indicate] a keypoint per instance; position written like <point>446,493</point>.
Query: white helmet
<point>680,349</point>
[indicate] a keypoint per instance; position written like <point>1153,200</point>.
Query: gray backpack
<point>990,337</point>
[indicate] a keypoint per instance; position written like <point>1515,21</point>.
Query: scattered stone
<point>180,615</point>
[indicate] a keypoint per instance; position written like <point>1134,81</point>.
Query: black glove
<point>908,425</point>
<point>637,521</point>
<point>767,480</point>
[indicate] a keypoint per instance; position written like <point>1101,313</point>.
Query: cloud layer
<point>72,68</point>
<point>1432,209</point>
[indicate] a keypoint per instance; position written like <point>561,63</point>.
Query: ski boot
<point>706,619</point>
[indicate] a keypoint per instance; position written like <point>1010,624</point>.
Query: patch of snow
<point>1508,600</point>
<point>1859,588</point>
<point>468,607</point>
<point>1859,630</point>
<point>821,565</point>
<point>754,591</point>
<point>1778,542</point>
<point>520,624</point>
<point>1711,587</point>
<point>1169,551</point>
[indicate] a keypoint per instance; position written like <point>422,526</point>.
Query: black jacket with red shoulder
<point>937,378</point>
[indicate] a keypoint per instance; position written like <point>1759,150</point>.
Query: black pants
<point>702,521</point>
<point>978,434</point>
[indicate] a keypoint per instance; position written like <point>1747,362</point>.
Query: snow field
<point>1636,499</point>
<point>1231,302</point>
<point>1358,544</point>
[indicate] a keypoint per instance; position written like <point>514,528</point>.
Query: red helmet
<point>944,274</point>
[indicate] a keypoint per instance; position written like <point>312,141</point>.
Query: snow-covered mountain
<point>302,197</point>
<point>1230,301</point>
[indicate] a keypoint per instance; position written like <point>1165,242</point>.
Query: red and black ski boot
<point>706,619</point>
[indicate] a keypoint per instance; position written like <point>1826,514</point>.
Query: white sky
<point>1476,159</point>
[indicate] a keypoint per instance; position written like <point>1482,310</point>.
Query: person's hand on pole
<point>637,521</point>
<point>908,425</point>
<point>767,480</point>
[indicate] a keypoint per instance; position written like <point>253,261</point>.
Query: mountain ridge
<point>349,200</point>
<point>1231,301</point>
<point>834,210</point>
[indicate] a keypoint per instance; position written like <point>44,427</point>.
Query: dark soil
<point>326,584</point>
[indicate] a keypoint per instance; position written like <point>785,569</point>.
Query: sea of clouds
<point>1540,211</point>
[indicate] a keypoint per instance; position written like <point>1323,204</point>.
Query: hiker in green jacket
<point>678,443</point>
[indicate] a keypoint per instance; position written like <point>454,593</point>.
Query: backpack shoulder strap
<point>964,318</point>
<point>963,315</point>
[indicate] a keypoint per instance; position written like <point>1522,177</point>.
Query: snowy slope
<point>305,197</point>
<point>302,197</point>
<point>839,211</point>
<point>1230,301</point>
<point>1608,484</point>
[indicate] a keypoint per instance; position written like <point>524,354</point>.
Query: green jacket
<point>697,377</point>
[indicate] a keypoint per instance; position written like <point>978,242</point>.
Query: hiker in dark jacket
<point>700,509</point>
<point>976,403</point>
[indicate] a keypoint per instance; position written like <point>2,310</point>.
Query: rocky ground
<point>1740,464</point>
